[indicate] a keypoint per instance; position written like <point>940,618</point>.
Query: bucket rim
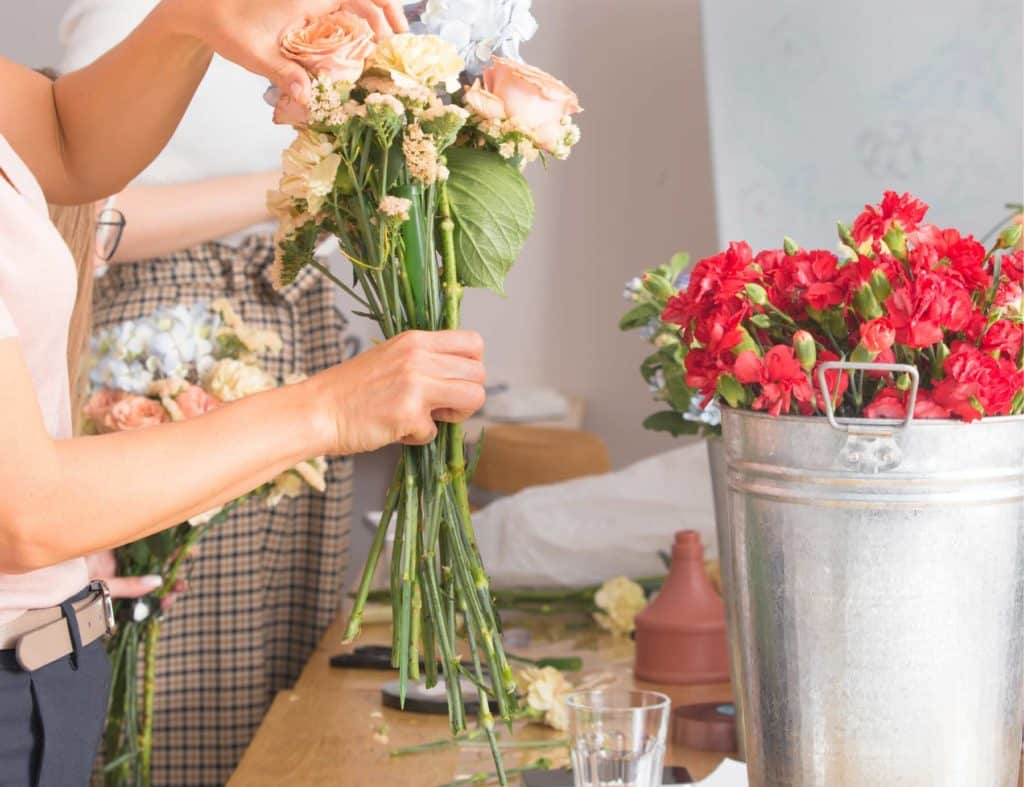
<point>915,424</point>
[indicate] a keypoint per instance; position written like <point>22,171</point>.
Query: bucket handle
<point>851,366</point>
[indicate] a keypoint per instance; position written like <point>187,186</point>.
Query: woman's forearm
<point>167,218</point>
<point>64,498</point>
<point>90,132</point>
<point>88,494</point>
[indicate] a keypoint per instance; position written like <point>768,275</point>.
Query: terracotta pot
<point>680,636</point>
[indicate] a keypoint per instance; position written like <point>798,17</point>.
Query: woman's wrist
<point>316,423</point>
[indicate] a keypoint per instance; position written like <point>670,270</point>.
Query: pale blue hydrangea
<point>710,415</point>
<point>634,288</point>
<point>171,342</point>
<point>479,29</point>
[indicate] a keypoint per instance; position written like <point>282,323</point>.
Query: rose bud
<point>790,246</point>
<point>806,350</point>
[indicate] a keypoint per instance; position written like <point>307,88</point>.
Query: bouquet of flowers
<point>754,329</point>
<point>178,363</point>
<point>415,168</point>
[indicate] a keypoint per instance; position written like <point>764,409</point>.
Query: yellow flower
<point>230,380</point>
<point>288,484</point>
<point>546,690</point>
<point>309,168</point>
<point>620,601</point>
<point>413,60</point>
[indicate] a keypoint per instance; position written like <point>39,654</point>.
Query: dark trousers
<point>51,719</point>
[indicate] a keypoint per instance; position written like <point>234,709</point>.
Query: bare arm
<point>163,219</point>
<point>65,498</point>
<point>88,134</point>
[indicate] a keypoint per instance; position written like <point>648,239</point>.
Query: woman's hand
<point>103,565</point>
<point>396,391</point>
<point>249,32</point>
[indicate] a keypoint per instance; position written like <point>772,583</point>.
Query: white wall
<point>818,107</point>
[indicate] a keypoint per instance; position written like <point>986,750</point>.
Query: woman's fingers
<point>455,399</point>
<point>133,587</point>
<point>395,12</point>
<point>373,13</point>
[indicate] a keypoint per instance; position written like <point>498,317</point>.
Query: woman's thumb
<point>133,587</point>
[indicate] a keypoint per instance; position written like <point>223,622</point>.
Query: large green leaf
<point>493,212</point>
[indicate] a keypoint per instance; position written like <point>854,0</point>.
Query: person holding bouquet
<point>75,141</point>
<point>267,581</point>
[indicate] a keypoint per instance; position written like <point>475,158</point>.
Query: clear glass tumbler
<point>618,737</point>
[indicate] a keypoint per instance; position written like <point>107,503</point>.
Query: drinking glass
<point>618,737</point>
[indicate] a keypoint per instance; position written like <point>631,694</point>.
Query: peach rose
<point>333,47</point>
<point>99,406</point>
<point>535,102</point>
<point>194,401</point>
<point>134,412</point>
<point>289,112</point>
<point>483,103</point>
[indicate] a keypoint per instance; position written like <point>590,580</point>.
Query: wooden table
<point>323,731</point>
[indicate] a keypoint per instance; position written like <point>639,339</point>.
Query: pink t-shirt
<point>37,295</point>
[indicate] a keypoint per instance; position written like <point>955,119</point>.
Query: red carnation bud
<point>866,304</point>
<point>806,350</point>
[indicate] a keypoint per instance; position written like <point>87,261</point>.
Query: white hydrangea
<point>479,29</point>
<point>169,343</point>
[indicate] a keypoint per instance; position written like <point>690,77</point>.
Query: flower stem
<point>148,697</point>
<point>355,620</point>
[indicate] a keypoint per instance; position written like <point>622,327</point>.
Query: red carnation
<point>704,365</point>
<point>891,402</point>
<point>1002,338</point>
<point>714,284</point>
<point>960,257</point>
<point>976,384</point>
<point>877,336</point>
<point>780,377</point>
<point>926,306</point>
<point>809,278</point>
<point>837,381</point>
<point>876,220</point>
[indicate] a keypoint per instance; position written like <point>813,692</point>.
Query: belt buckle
<point>99,586</point>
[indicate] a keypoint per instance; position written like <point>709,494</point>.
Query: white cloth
<point>585,531</point>
<point>228,128</point>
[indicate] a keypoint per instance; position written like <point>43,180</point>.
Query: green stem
<point>541,764</point>
<point>148,697</point>
<point>355,620</point>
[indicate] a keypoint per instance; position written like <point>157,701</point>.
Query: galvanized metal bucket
<point>878,574</point>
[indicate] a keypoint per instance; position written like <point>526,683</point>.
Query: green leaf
<point>638,317</point>
<point>730,390</point>
<point>672,422</point>
<point>493,211</point>
<point>679,393</point>
<point>679,263</point>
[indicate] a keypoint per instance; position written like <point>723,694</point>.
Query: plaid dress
<point>266,583</point>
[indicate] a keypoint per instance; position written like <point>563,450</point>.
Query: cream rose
<point>534,101</point>
<point>419,60</point>
<point>546,690</point>
<point>309,168</point>
<point>230,380</point>
<point>333,47</point>
<point>132,412</point>
<point>619,600</point>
